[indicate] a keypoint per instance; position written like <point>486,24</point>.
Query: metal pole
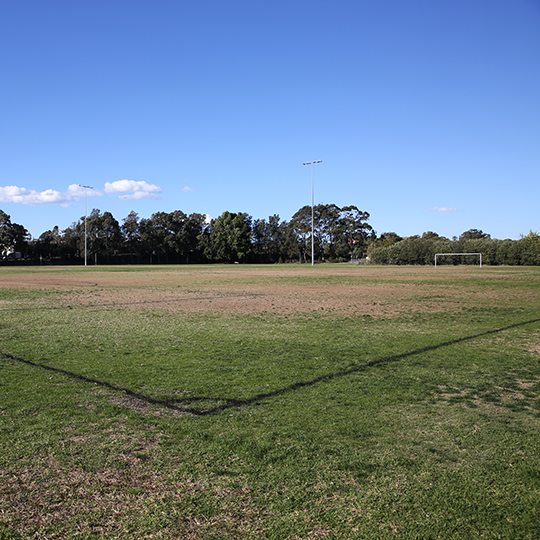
<point>312,221</point>
<point>85,219</point>
<point>86,188</point>
<point>312,211</point>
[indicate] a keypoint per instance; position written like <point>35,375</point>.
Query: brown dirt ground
<point>379,292</point>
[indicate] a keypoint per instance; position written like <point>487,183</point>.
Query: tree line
<point>389,248</point>
<point>340,234</point>
<point>176,237</point>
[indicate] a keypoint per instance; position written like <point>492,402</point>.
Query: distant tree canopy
<point>13,237</point>
<point>274,241</point>
<point>422,250</point>
<point>386,239</point>
<point>166,237</point>
<point>228,238</point>
<point>339,234</point>
<point>473,234</point>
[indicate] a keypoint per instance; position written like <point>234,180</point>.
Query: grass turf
<point>142,421</point>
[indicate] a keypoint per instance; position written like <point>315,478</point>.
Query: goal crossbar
<point>440,254</point>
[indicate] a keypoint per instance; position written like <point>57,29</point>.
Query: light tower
<point>86,188</point>
<point>312,212</point>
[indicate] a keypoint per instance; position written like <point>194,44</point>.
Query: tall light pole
<point>312,212</point>
<point>86,188</point>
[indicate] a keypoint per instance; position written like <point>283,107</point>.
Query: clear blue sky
<point>426,113</point>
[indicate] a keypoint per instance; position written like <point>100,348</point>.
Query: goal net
<point>449,254</point>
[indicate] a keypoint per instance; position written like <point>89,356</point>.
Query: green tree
<point>338,232</point>
<point>529,249</point>
<point>472,234</point>
<point>183,231</point>
<point>13,237</point>
<point>49,244</point>
<point>154,233</point>
<point>351,233</point>
<point>105,238</point>
<point>430,235</point>
<point>301,227</point>
<point>131,235</point>
<point>386,239</point>
<point>269,238</point>
<point>289,247</point>
<point>172,236</point>
<point>102,233</point>
<point>412,250</point>
<point>228,238</point>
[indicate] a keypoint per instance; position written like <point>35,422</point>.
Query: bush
<point>416,250</point>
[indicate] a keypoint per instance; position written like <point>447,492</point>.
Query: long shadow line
<point>183,404</point>
<point>362,367</point>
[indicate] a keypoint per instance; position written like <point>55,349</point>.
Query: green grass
<point>152,423</point>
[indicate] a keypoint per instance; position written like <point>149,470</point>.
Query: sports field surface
<point>273,402</point>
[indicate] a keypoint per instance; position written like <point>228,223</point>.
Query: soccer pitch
<point>283,401</point>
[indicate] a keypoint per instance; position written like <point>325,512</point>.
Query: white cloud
<point>437,209</point>
<point>127,189</point>
<point>187,189</point>
<point>208,219</point>
<point>134,190</point>
<point>32,197</point>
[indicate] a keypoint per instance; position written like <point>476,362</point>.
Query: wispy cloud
<point>187,189</point>
<point>32,197</point>
<point>437,209</point>
<point>133,189</point>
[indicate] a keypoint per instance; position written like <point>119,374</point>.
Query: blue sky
<point>425,113</point>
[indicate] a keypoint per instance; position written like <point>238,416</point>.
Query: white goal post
<point>440,254</point>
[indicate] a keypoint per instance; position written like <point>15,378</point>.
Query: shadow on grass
<point>203,406</point>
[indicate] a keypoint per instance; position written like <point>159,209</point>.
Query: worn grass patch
<point>270,402</point>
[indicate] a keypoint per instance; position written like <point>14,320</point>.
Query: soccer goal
<point>448,254</point>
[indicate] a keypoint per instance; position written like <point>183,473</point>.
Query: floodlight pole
<point>86,188</point>
<point>312,212</point>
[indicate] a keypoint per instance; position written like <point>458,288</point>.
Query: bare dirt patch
<point>377,292</point>
<point>534,344</point>
<point>497,398</point>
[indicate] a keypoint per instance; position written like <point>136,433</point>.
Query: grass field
<point>270,402</point>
